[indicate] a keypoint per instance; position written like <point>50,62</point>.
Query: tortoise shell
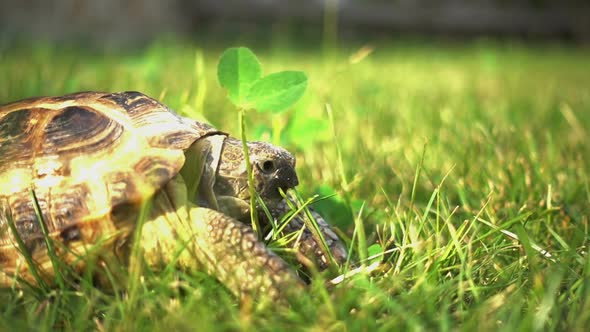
<point>86,157</point>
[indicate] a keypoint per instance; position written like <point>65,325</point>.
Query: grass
<point>469,160</point>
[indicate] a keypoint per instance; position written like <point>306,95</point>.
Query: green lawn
<point>469,160</point>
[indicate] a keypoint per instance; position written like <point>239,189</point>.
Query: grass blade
<point>251,188</point>
<point>26,254</point>
<point>55,261</point>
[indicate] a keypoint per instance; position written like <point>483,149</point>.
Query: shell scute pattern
<point>84,155</point>
<point>14,129</point>
<point>70,234</point>
<point>69,204</point>
<point>80,130</point>
<point>165,129</point>
<point>128,101</point>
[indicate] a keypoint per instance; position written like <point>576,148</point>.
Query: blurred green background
<point>458,133</point>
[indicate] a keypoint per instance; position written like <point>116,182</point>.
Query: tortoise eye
<point>267,166</point>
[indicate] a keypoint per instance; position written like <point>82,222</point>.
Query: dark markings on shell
<point>156,171</point>
<point>73,96</point>
<point>35,244</point>
<point>122,213</point>
<point>70,234</point>
<point>140,102</point>
<point>68,206</point>
<point>27,225</point>
<point>145,111</point>
<point>178,139</point>
<point>14,124</point>
<point>33,136</point>
<point>25,218</point>
<point>15,139</point>
<point>135,94</point>
<point>4,229</point>
<point>4,259</point>
<point>122,188</point>
<point>119,98</point>
<point>80,130</point>
<point>132,101</point>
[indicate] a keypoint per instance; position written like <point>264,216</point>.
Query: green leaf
<point>376,252</point>
<point>237,70</point>
<point>333,207</point>
<point>278,91</point>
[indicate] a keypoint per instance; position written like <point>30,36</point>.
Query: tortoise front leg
<point>309,245</point>
<point>205,239</point>
<point>224,247</point>
<point>231,251</point>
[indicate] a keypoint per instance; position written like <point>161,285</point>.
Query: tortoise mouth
<point>283,178</point>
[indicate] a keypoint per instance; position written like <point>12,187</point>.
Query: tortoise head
<point>272,168</point>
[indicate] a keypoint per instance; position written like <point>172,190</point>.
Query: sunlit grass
<point>469,162</point>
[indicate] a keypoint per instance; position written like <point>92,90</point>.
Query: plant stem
<point>253,212</point>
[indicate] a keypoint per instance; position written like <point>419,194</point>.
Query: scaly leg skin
<point>309,245</point>
<point>205,239</point>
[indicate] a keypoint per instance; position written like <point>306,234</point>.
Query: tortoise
<point>88,163</point>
